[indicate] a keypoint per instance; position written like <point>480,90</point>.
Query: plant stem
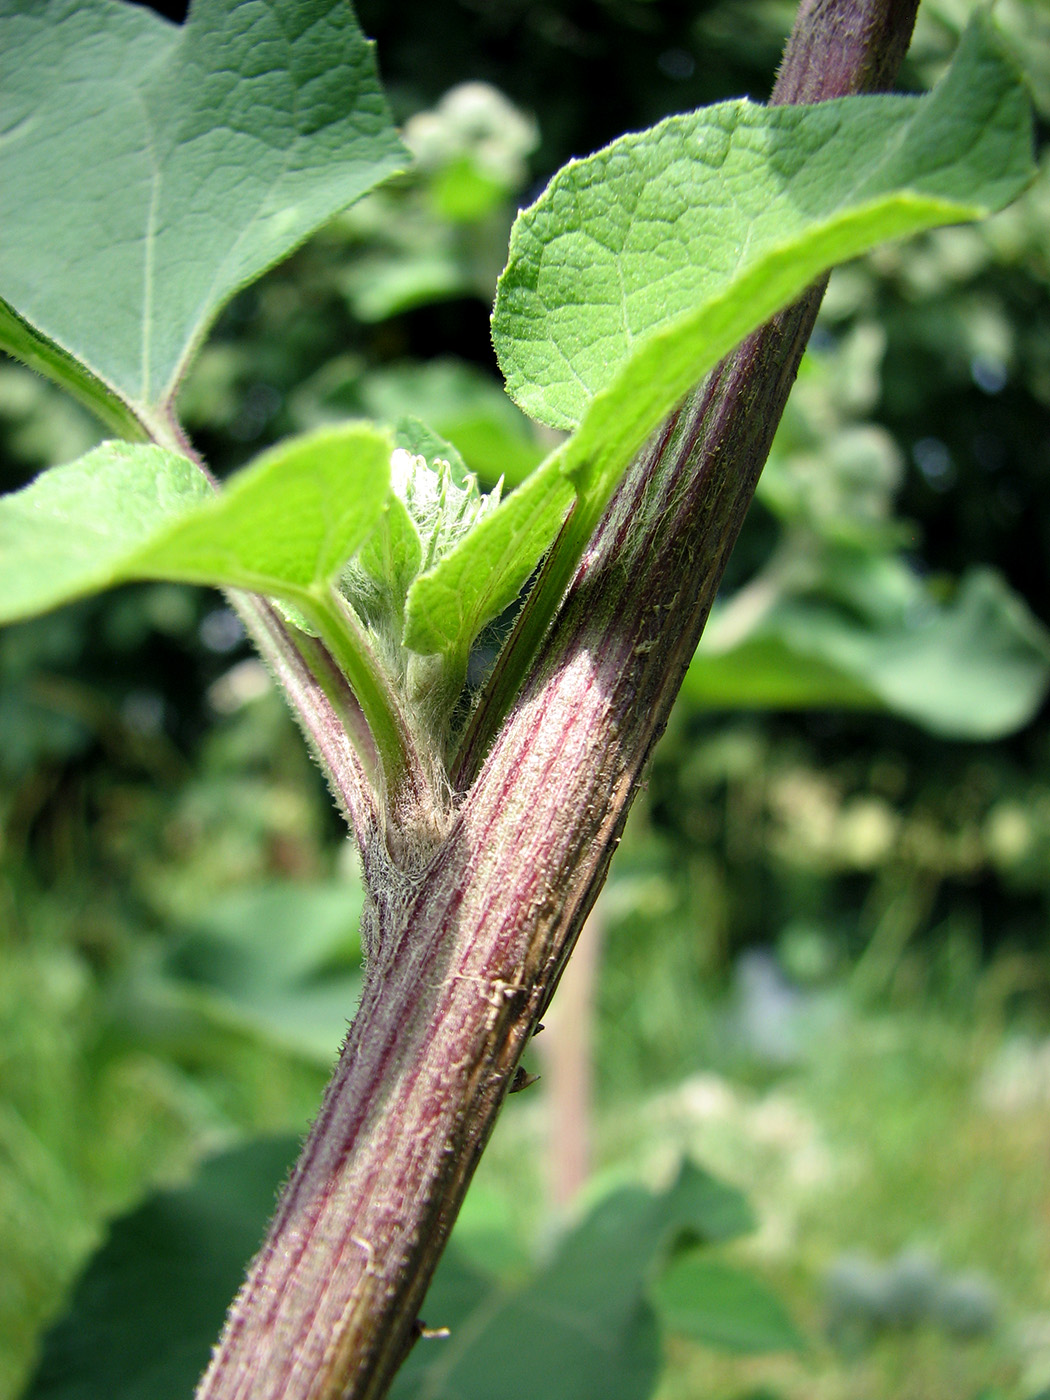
<point>399,762</point>
<point>473,949</point>
<point>327,710</point>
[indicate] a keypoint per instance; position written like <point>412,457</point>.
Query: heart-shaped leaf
<point>151,170</point>
<point>588,1304</point>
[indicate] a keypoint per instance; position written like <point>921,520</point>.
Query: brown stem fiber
<point>473,947</point>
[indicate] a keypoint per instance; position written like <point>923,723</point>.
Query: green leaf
<point>289,521</point>
<point>150,1303</point>
<point>74,528</point>
<point>977,668</point>
<point>702,1208</point>
<point>284,525</point>
<point>280,961</point>
<point>378,581</point>
<point>640,267</point>
<point>434,506</point>
<point>714,1303</point>
<point>147,1309</point>
<point>160,168</point>
<point>421,441</point>
<point>484,573</point>
<point>465,405</point>
<point>429,476</point>
<point>582,1328</point>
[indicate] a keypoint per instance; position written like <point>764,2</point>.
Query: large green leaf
<point>152,170</point>
<point>151,1301</point>
<point>721,215</point>
<point>640,267</point>
<point>711,1302</point>
<point>977,668</point>
<point>146,1312</point>
<point>284,525</point>
<point>582,1327</point>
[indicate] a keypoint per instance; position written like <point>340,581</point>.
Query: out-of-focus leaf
<point>281,962</point>
<point>148,1307</point>
<point>712,1302</point>
<point>977,668</point>
<point>150,1303</point>
<point>159,168</point>
<point>582,1327</point>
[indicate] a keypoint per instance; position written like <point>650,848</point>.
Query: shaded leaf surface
<point>977,668</point>
<point>147,1310</point>
<point>711,1302</point>
<point>159,168</point>
<point>151,1301</point>
<point>582,1327</point>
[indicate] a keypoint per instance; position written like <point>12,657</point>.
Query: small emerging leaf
<point>433,504</point>
<point>422,441</point>
<point>448,607</point>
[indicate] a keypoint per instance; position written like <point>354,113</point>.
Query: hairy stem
<point>473,948</point>
<point>324,706</point>
<point>399,770</point>
<point>317,691</point>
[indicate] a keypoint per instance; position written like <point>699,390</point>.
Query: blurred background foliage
<point>821,965</point>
